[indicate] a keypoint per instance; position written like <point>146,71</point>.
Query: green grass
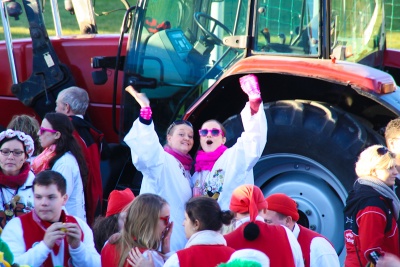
<point>105,23</point>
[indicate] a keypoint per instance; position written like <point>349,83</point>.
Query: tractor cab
<point>178,48</point>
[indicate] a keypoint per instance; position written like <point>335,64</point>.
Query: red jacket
<point>272,240</point>
<point>90,141</point>
<point>204,255</point>
<point>369,226</point>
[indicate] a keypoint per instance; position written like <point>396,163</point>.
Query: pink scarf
<point>186,160</point>
<point>41,162</point>
<point>206,160</point>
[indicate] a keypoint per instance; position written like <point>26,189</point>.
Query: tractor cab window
<point>356,29</point>
<point>179,48</point>
<point>288,27</point>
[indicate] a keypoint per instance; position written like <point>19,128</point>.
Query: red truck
<point>327,79</point>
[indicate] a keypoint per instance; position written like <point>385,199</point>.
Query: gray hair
<point>76,97</point>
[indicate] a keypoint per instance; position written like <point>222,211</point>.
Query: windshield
<point>292,27</point>
<point>288,26</point>
<point>357,28</point>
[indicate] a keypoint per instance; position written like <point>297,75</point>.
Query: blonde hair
<point>392,129</point>
<point>374,157</point>
<point>142,217</point>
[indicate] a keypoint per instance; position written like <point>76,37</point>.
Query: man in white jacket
<point>47,236</point>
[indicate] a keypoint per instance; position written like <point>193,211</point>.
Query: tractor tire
<point>310,155</point>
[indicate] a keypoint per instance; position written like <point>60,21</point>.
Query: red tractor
<point>327,79</point>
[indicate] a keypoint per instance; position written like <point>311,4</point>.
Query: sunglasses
<point>383,151</point>
<point>42,130</point>
<point>165,219</point>
<point>213,131</point>
<point>178,122</point>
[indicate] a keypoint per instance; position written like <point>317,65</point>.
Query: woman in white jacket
<point>218,169</point>
<point>166,170</point>
<point>63,154</point>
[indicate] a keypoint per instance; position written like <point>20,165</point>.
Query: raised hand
<point>249,84</point>
<point>141,98</point>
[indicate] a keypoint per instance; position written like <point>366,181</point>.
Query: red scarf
<point>34,230</point>
<point>41,162</point>
<point>206,160</point>
<point>18,180</point>
<point>186,160</point>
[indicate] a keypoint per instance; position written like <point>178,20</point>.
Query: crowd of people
<point>201,211</point>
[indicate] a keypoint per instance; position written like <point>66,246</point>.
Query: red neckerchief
<point>18,180</point>
<point>41,162</point>
<point>186,160</point>
<point>206,160</point>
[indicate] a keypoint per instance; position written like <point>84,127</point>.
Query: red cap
<point>248,198</point>
<point>283,204</point>
<point>118,200</point>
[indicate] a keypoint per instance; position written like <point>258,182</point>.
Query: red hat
<point>118,200</point>
<point>248,198</point>
<point>283,204</point>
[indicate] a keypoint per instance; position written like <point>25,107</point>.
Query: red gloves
<point>249,84</point>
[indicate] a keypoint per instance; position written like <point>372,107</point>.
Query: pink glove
<point>145,113</point>
<point>249,84</point>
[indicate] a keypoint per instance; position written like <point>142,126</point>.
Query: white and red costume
<point>24,235</point>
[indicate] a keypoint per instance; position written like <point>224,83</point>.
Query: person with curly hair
<point>30,126</point>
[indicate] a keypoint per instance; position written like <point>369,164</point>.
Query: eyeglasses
<point>383,150</point>
<point>16,153</point>
<point>165,219</point>
<point>42,130</point>
<point>213,131</point>
<point>178,122</point>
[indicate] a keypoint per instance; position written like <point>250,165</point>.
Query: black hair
<point>208,213</point>
<point>66,142</point>
<point>103,228</point>
<point>49,177</point>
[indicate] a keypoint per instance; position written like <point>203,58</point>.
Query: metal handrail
<point>8,40</point>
